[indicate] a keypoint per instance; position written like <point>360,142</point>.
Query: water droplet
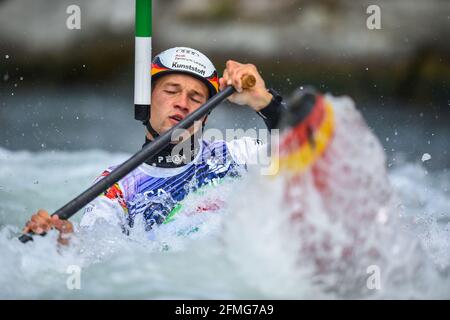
<point>426,157</point>
<point>6,56</point>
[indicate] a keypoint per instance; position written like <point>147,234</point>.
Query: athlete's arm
<point>102,208</point>
<point>110,206</point>
<point>266,102</point>
<point>271,114</point>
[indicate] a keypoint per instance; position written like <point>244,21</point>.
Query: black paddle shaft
<point>136,160</point>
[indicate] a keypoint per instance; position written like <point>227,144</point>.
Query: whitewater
<point>247,250</point>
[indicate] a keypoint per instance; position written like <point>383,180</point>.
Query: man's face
<point>175,96</point>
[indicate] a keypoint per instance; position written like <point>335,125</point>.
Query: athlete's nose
<point>182,103</point>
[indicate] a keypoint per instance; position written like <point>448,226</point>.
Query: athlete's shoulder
<point>127,184</point>
<point>136,172</point>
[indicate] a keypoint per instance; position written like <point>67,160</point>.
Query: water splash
<point>251,247</point>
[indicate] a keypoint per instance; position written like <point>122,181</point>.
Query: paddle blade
<point>308,127</point>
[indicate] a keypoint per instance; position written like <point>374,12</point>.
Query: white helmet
<point>187,61</point>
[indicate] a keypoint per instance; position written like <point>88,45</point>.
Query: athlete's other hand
<point>256,97</point>
<point>41,222</point>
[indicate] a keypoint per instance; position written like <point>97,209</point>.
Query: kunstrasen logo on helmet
<point>176,65</point>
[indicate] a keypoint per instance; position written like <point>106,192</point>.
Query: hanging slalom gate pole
<point>142,59</point>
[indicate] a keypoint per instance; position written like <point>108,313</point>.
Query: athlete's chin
<point>166,127</point>
<point>186,133</point>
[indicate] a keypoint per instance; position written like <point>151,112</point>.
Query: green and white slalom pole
<point>143,59</point>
